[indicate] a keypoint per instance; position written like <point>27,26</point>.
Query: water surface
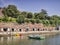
<point>23,40</point>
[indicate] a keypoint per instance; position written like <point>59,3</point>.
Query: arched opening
<point>12,29</point>
<point>57,28</point>
<point>27,29</point>
<point>38,29</point>
<point>20,30</point>
<point>33,29</point>
<point>5,29</point>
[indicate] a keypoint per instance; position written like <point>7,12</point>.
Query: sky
<point>51,6</point>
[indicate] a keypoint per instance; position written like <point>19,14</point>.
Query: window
<point>12,29</point>
<point>57,28</point>
<point>27,29</point>
<point>20,30</point>
<point>33,29</point>
<point>43,29</point>
<point>38,29</point>
<point>5,29</point>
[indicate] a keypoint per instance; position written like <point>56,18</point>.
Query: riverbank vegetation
<point>12,14</point>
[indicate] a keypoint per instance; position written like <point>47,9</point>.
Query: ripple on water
<point>23,40</point>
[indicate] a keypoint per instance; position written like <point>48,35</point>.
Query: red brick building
<point>23,27</point>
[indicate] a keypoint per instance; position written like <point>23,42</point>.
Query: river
<point>16,40</point>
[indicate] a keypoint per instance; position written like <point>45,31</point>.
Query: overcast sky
<point>52,6</point>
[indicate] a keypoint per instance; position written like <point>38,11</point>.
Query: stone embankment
<point>30,32</point>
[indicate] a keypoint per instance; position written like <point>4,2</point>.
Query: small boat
<point>38,37</point>
<point>18,34</point>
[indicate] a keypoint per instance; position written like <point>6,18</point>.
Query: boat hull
<point>34,38</point>
<point>37,38</point>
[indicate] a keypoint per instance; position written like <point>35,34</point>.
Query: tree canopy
<point>11,13</point>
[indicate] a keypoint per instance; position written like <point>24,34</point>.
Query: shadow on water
<point>23,40</point>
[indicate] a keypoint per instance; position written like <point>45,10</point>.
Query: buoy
<point>17,34</point>
<point>20,34</point>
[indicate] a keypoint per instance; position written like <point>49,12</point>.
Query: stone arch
<point>38,29</point>
<point>27,29</point>
<point>19,30</point>
<point>34,28</point>
<point>12,30</point>
<point>5,29</point>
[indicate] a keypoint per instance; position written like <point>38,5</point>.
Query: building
<point>6,27</point>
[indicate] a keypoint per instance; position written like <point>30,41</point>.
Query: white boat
<point>39,37</point>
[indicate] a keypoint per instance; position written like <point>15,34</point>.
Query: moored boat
<point>38,37</point>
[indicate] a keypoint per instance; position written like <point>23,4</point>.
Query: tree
<point>27,20</point>
<point>20,19</point>
<point>36,15</point>
<point>38,21</point>
<point>58,22</point>
<point>13,7</point>
<point>52,22</point>
<point>47,22</point>
<point>4,11</point>
<point>29,15</point>
<point>11,11</point>
<point>41,15</point>
<point>5,19</point>
<point>55,17</point>
<point>1,19</point>
<point>43,11</point>
<point>32,21</point>
<point>24,14</point>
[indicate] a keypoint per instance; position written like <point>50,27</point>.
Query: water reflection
<point>22,40</point>
<point>10,40</point>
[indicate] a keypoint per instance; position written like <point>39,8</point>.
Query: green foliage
<point>43,11</point>
<point>12,14</point>
<point>36,15</point>
<point>47,22</point>
<point>32,21</point>
<point>1,19</point>
<point>27,20</point>
<point>59,22</point>
<point>24,14</point>
<point>38,21</point>
<point>55,17</point>
<point>20,19</point>
<point>12,19</point>
<point>44,22</point>
<point>29,15</point>
<point>4,11</point>
<point>41,15</point>
<point>11,11</point>
<point>5,19</point>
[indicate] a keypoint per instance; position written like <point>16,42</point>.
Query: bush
<point>1,19</point>
<point>37,21</point>
<point>32,21</point>
<point>5,18</point>
<point>20,19</point>
<point>27,20</point>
